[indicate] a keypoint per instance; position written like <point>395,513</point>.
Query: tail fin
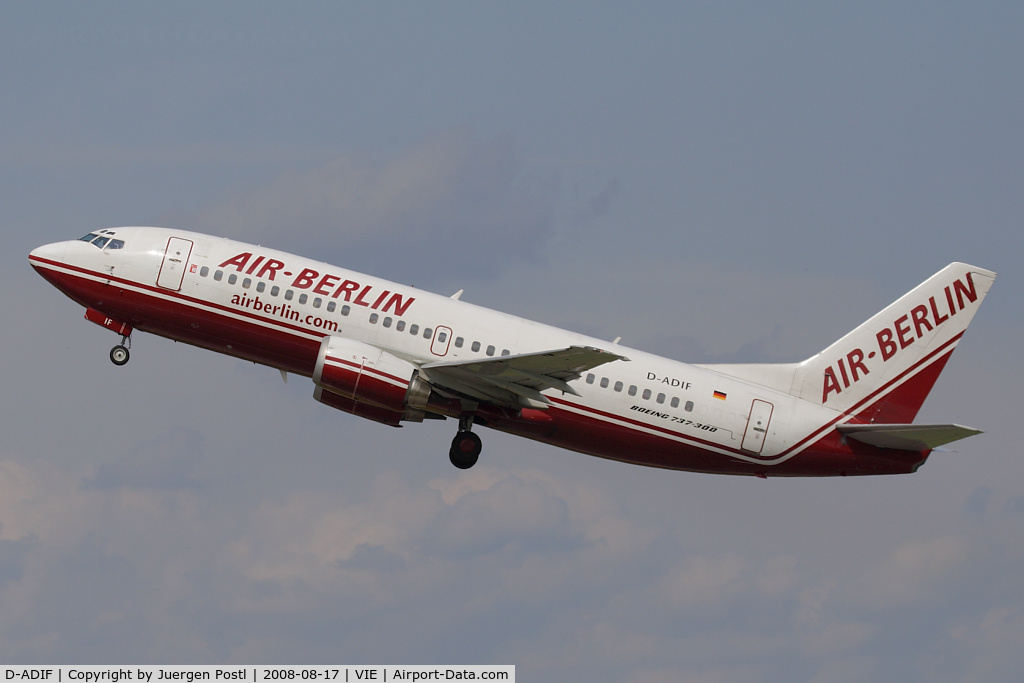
<point>883,370</point>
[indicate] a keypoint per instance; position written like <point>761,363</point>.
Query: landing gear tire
<point>119,355</point>
<point>465,451</point>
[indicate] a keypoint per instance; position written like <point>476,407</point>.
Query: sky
<point>714,182</point>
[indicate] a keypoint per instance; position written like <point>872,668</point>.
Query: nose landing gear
<point>466,445</point>
<point>119,355</point>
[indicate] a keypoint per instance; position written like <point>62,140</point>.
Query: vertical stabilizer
<point>883,370</point>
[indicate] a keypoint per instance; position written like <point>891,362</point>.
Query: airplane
<point>394,354</point>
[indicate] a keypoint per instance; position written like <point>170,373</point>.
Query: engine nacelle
<point>367,381</point>
<point>367,410</point>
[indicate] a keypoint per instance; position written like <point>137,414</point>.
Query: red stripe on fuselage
<point>162,293</point>
<point>232,331</point>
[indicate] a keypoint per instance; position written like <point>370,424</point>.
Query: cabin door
<point>172,270</point>
<point>757,426</point>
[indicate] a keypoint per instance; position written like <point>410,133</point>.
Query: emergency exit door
<point>757,426</point>
<point>172,270</point>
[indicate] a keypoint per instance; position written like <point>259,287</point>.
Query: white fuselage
<point>275,308</point>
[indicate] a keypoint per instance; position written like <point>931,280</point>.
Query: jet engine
<point>362,379</point>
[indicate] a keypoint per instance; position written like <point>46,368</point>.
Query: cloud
<point>514,515</point>
<point>13,555</point>
<point>600,204</point>
<point>995,642</point>
<point>451,204</point>
<point>736,674</point>
<point>704,580</point>
<point>165,462</point>
<point>911,572</point>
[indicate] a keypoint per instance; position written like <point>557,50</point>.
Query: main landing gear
<point>466,445</point>
<point>119,355</point>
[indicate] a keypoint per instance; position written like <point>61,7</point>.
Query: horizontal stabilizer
<point>906,437</point>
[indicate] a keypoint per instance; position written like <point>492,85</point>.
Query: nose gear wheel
<point>119,355</point>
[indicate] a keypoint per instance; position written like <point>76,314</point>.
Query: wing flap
<point>517,381</point>
<point>907,437</point>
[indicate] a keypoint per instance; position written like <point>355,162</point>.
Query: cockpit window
<point>101,242</point>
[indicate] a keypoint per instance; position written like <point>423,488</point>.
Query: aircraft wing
<point>907,437</point>
<point>517,381</point>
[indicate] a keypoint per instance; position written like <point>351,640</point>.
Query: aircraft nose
<point>46,259</point>
<point>48,253</point>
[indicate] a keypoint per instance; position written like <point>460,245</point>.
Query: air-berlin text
<point>332,286</point>
<point>920,321</point>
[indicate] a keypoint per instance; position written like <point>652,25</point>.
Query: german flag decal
<point>720,395</point>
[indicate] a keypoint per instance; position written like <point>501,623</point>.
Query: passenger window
<point>316,302</point>
<point>675,402</point>
<point>275,290</point>
<point>506,352</point>
<point>232,279</point>
<point>414,330</point>
<point>604,382</point>
<point>204,271</point>
<point>217,275</point>
<point>331,305</point>
<point>441,336</point>
<point>632,390</point>
<point>260,286</point>
<point>647,394</point>
<point>427,333</point>
<point>458,342</point>
<point>288,294</point>
<point>387,321</point>
<point>618,386</point>
<point>373,318</point>
<point>476,346</point>
<point>303,298</point>
<point>346,309</point>
<point>246,283</point>
<point>688,406</point>
<point>661,398</point>
<point>490,350</point>
<point>590,378</point>
<point>400,325</point>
